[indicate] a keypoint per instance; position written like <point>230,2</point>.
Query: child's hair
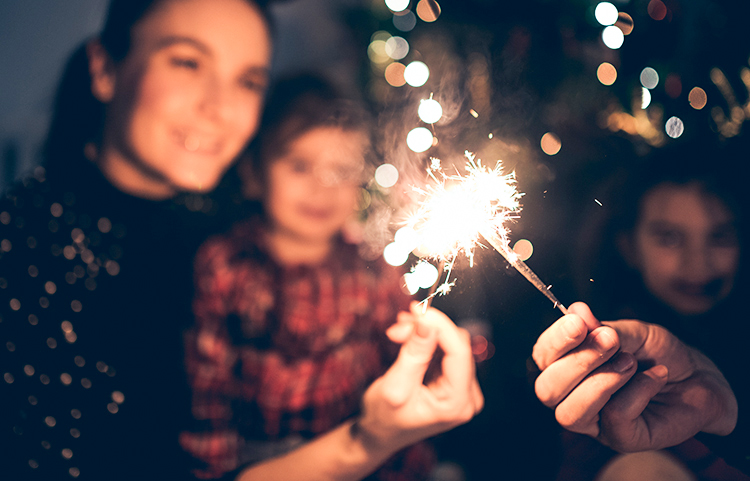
<point>77,116</point>
<point>298,105</point>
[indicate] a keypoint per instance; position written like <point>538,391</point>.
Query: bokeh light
<point>396,48</point>
<point>386,175</point>
<point>649,78</point>
<point>606,13</point>
<point>376,50</point>
<point>606,73</point>
<point>430,111</point>
<point>550,143</point>
<point>426,274</point>
<point>613,37</point>
<point>645,97</point>
<point>395,255</point>
<point>697,98</point>
<point>428,10</point>
<point>673,85</point>
<point>674,127</point>
<point>394,74</point>
<point>416,73</point>
<point>419,139</point>
<point>657,10</point>
<point>524,249</point>
<point>407,238</point>
<point>397,5</point>
<point>405,21</point>
<point>625,23</point>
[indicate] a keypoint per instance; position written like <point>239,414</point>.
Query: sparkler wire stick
<point>522,268</point>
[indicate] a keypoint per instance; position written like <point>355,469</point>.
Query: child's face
<point>313,187</point>
<point>686,247</point>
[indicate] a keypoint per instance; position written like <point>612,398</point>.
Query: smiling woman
<point>97,245</point>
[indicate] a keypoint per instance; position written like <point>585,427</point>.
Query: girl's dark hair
<point>77,116</point>
<point>297,105</point>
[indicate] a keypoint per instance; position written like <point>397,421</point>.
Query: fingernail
<point>605,340</point>
<point>623,362</point>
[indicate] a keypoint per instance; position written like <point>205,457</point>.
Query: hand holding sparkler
<point>459,209</point>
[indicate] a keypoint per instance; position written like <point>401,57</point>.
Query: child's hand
<point>398,408</point>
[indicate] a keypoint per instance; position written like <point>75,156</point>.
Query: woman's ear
<point>101,70</point>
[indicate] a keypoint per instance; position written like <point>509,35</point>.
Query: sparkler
<point>458,210</point>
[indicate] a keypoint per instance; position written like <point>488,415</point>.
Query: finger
<point>458,367</point>
<point>630,402</point>
<point>579,411</point>
<point>564,335</point>
<point>400,332</point>
<point>477,396</point>
<point>582,309</point>
<point>562,376</point>
<point>407,372</point>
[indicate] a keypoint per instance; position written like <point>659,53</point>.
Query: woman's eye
<point>253,85</point>
<point>669,239</point>
<point>300,167</point>
<point>183,62</point>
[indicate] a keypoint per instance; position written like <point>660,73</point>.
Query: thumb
<point>584,312</point>
<point>408,371</point>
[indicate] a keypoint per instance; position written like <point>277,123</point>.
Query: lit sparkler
<point>459,209</point>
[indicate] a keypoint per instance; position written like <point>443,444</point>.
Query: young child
<point>291,322</point>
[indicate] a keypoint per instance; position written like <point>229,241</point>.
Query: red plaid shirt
<point>285,353</point>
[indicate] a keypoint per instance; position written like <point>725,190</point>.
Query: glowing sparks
<point>456,210</point>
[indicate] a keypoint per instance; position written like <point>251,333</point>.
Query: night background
<point>506,73</point>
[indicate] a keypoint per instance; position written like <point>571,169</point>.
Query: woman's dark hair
<point>713,166</point>
<point>77,116</point>
<point>297,105</point>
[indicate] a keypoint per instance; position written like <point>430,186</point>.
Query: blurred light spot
<point>75,433</point>
<point>606,73</point>
<point>697,98</point>
<point>113,408</point>
<point>649,78</point>
<point>66,326</point>
<point>673,85</point>
<point>86,383</point>
<point>44,302</point>
<point>396,48</point>
<point>76,306</point>
<point>33,400</point>
<point>657,10</point>
<point>33,271</point>
<point>426,274</point>
<point>523,248</point>
<point>75,413</point>
<point>411,282</point>
<point>66,378</point>
<point>50,421</point>
<point>474,113</point>
<point>15,304</point>
<point>44,379</point>
<point>51,342</point>
<point>551,143</point>
<point>80,361</point>
<point>118,397</point>
<point>490,136</point>
<point>104,225</point>
<point>407,238</point>
<point>397,5</point>
<point>74,472</point>
<point>674,127</point>
<point>428,10</point>
<point>9,378</point>
<point>56,210</point>
<point>606,13</point>
<point>406,21</point>
<point>33,320</point>
<point>430,111</point>
<point>386,175</point>
<point>394,74</point>
<point>395,255</point>
<point>10,346</point>
<point>71,337</point>
<point>29,370</point>
<point>50,287</point>
<point>67,453</point>
<point>625,23</point>
<point>376,52</point>
<point>645,97</point>
<point>613,37</point>
<point>5,245</point>
<point>46,444</point>
<point>33,464</point>
<point>419,139</point>
<point>416,73</point>
<point>479,344</point>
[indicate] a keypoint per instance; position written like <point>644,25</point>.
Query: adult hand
<point>632,385</point>
<point>399,409</point>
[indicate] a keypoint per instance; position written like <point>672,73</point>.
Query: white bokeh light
<point>395,255</point>
<point>416,73</point>
<point>430,111</point>
<point>674,127</point>
<point>419,139</point>
<point>613,37</point>
<point>645,97</point>
<point>649,78</point>
<point>407,238</point>
<point>397,48</point>
<point>426,274</point>
<point>412,282</point>
<point>386,175</point>
<point>397,5</point>
<point>606,13</point>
